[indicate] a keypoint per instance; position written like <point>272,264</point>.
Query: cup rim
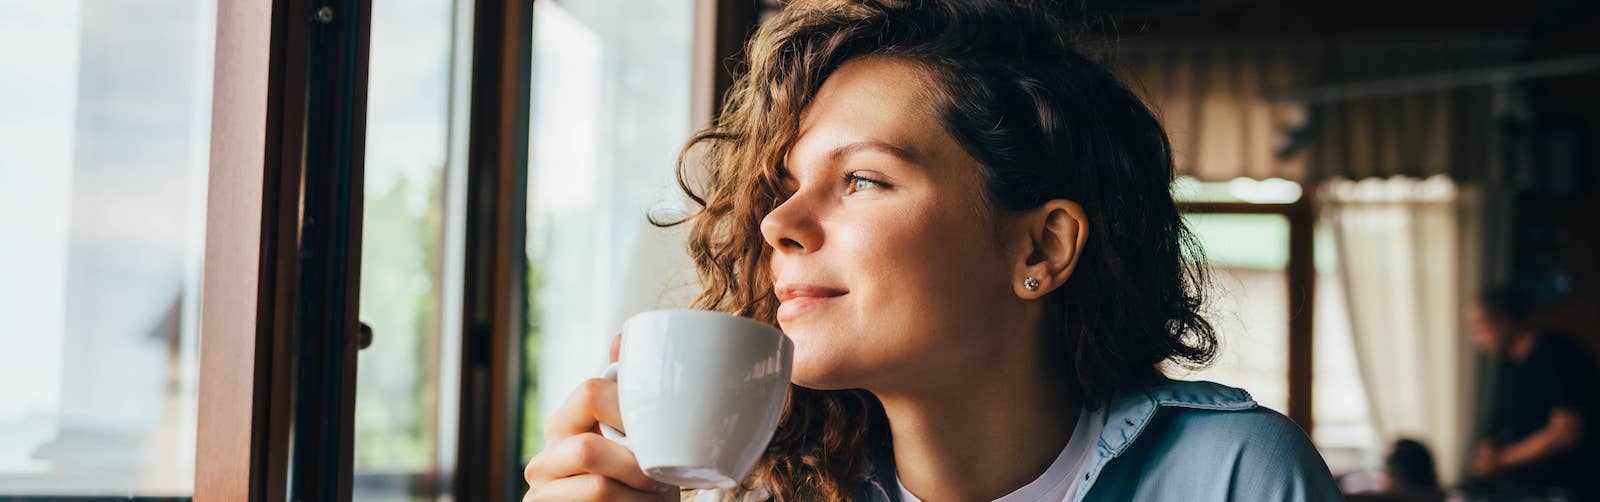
<point>705,313</point>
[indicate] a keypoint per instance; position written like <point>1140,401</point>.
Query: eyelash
<point>850,180</point>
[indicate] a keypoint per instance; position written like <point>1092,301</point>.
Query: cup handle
<point>606,430</point>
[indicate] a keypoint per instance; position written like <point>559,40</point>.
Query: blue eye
<point>858,183</point>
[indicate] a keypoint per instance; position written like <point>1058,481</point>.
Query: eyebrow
<point>872,145</point>
<point>841,151</point>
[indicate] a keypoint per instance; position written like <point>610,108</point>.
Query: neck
<point>980,434</point>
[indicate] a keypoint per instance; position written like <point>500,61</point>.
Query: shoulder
<point>1254,436</point>
<point>1213,438</point>
<point>1211,419</point>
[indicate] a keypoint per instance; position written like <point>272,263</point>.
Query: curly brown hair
<point>1045,121</point>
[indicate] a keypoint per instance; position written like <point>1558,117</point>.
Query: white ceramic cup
<point>701,394</point>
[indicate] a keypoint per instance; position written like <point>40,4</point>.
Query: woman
<point>966,228</point>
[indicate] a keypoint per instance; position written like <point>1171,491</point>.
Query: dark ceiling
<point>1354,17</point>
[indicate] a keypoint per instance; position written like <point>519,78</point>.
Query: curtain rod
<point>1439,81</point>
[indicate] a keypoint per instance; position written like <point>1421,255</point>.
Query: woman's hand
<point>578,463</point>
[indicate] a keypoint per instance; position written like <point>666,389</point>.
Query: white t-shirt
<point>1065,475</point>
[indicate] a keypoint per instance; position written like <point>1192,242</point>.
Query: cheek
<point>921,281</point>
<point>930,264</point>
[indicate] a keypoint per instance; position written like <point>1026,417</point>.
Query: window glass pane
<point>410,255</point>
<point>609,112</point>
<point>1247,303</point>
<point>105,109</point>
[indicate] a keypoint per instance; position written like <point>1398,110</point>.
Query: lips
<point>798,299</point>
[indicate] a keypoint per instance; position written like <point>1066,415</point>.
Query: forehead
<point>878,99</point>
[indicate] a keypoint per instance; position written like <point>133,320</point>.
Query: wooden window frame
<point>255,276</point>
<point>1302,275</point>
<point>282,252</point>
<point>251,222</point>
<point>494,306</point>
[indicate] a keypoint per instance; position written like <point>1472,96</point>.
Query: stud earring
<point>1031,284</point>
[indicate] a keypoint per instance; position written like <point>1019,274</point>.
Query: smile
<point>801,298</point>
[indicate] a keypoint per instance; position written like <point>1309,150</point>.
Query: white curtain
<point>1214,98</point>
<point>1410,256</point>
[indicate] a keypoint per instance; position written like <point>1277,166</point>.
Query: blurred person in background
<point>1410,469</point>
<point>1541,434</point>
<point>1408,472</point>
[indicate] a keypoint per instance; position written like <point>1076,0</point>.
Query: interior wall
<point>1563,230</point>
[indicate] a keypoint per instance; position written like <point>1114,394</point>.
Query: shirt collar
<point>1126,417</point>
<point>1131,411</point>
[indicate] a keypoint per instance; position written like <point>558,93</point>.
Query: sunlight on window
<point>609,112</point>
<point>103,176</point>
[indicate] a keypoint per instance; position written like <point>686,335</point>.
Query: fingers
<point>594,402</point>
<point>593,487</point>
<point>579,464</point>
<point>590,454</point>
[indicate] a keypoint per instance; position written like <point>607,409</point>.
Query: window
<point>1244,231</point>
<point>104,143</point>
<point>1247,302</point>
<point>609,112</point>
<point>412,245</point>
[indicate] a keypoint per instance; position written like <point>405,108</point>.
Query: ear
<point>1052,237</point>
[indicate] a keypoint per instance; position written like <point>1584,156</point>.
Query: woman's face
<point>885,260</point>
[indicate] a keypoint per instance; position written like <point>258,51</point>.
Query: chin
<point>823,368</point>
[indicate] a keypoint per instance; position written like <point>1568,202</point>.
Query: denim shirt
<point>1191,441</point>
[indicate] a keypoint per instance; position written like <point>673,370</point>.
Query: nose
<point>792,227</point>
